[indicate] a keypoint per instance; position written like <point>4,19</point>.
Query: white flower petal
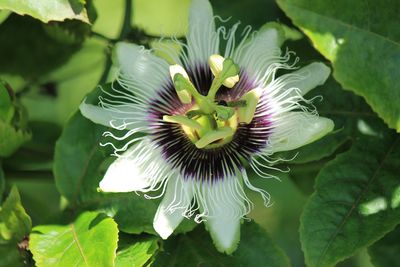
<point>306,78</point>
<point>296,129</point>
<point>108,117</point>
<point>141,71</point>
<point>224,206</point>
<point>140,168</point>
<point>256,55</point>
<point>202,38</point>
<point>170,212</point>
<point>96,114</point>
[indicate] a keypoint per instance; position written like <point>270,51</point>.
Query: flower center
<point>210,123</point>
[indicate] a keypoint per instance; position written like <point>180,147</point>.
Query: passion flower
<point>206,118</point>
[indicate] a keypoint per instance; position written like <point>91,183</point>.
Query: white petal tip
<point>162,225</point>
<point>123,176</point>
<point>225,235</point>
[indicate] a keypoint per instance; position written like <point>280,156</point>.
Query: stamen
<point>215,135</point>
<point>246,114</point>
<point>182,120</point>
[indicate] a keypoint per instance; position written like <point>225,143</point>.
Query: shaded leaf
<point>6,106</point>
<point>37,154</point>
<point>91,240</point>
<point>11,139</point>
<point>10,256</point>
<point>349,40</point>
<point>196,249</point>
<point>355,201</point>
<point>385,252</point>
<point>47,10</point>
<point>15,224</point>
<point>38,193</point>
<point>42,55</point>
<point>2,183</point>
<point>79,146</point>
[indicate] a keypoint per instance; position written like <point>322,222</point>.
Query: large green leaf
<point>78,159</point>
<point>91,240</point>
<point>196,249</point>
<point>363,46</point>
<point>47,10</point>
<point>15,224</point>
<point>137,252</point>
<point>385,252</point>
<point>355,202</point>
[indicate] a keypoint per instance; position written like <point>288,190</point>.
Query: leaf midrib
<point>358,200</point>
<point>76,240</point>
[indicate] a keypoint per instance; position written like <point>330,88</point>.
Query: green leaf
<point>385,252</point>
<point>137,253</point>
<point>196,249</point>
<point>10,256</point>
<point>2,183</point>
<point>78,159</point>
<point>11,139</point>
<point>15,224</point>
<point>6,105</point>
<point>350,39</point>
<point>44,49</point>
<point>350,114</point>
<point>355,202</point>
<point>47,10</point>
<point>91,240</point>
<point>79,146</point>
<point>39,194</point>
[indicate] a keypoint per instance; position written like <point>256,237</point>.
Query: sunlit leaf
<point>363,46</point>
<point>91,240</point>
<point>346,212</point>
<point>15,224</point>
<point>196,249</point>
<point>47,10</point>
